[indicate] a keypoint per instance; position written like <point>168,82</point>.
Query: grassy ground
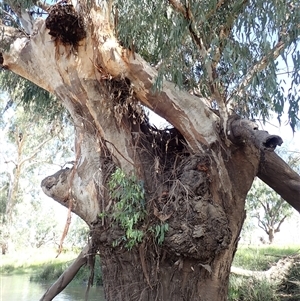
<point>42,265</point>
<point>263,257</point>
<point>29,260</point>
<point>260,259</point>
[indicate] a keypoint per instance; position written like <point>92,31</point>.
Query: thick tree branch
<point>67,275</point>
<point>280,177</point>
<point>187,113</point>
<point>243,131</point>
<point>177,107</point>
<point>209,65</point>
<point>59,185</point>
<point>23,14</point>
<point>8,35</point>
<point>272,170</point>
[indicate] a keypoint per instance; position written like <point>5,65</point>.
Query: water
<point>19,288</point>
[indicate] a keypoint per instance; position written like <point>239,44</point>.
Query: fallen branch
<point>275,273</point>
<point>67,275</point>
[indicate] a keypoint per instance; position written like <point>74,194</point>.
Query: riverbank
<point>43,265</point>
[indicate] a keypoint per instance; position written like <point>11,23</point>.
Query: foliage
<point>267,207</point>
<point>49,271</point>
<point>255,31</point>
<point>34,100</point>
<point>129,209</point>
<point>28,260</point>
<point>28,142</point>
<point>240,36</point>
<point>160,231</point>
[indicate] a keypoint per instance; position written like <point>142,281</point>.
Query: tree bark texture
<point>193,181</point>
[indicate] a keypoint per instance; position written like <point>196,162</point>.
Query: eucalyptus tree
<point>165,206</point>
<point>24,147</point>
<point>270,210</point>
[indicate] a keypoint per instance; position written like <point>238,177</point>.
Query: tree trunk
<point>271,234</point>
<point>194,179</point>
<point>204,219</point>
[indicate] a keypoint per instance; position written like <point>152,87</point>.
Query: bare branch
<point>280,223</point>
<point>13,20</point>
<point>178,6</point>
<point>262,225</point>
<point>67,275</point>
<point>35,152</point>
<point>24,16</point>
<point>43,5</point>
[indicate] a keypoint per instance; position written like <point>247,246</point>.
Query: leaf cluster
<point>160,231</point>
<point>245,33</point>
<point>129,209</point>
<point>35,100</point>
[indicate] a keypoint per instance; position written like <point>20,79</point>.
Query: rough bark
<point>193,180</point>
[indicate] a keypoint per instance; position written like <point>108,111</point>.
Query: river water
<point>19,288</point>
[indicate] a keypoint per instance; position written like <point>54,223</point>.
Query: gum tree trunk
<point>195,179</point>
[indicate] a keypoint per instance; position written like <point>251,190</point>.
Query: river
<point>19,288</point>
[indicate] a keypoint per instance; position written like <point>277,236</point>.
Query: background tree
<point>165,207</point>
<point>24,148</point>
<point>268,208</point>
